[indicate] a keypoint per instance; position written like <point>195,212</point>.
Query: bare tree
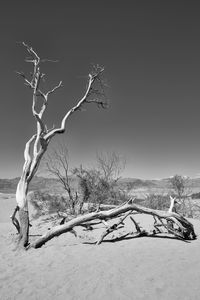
<point>92,187</point>
<point>57,165</point>
<point>37,146</point>
<point>179,184</point>
<point>110,165</point>
<point>38,143</point>
<point>99,185</point>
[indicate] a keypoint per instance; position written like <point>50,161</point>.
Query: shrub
<point>196,195</point>
<point>157,201</point>
<point>45,203</point>
<point>162,202</point>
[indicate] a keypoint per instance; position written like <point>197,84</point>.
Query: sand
<point>74,268</point>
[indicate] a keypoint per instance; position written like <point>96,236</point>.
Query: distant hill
<point>38,183</point>
<point>52,185</point>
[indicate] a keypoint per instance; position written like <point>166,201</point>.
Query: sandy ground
<point>74,268</point>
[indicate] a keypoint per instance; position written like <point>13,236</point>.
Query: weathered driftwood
<point>182,228</point>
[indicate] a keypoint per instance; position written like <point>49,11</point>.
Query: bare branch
<point>93,77</point>
<point>110,165</point>
<point>57,165</point>
<point>31,52</point>
<point>30,84</point>
<point>49,60</point>
<point>27,82</point>
<point>54,89</point>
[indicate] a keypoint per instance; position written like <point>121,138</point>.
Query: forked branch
<point>93,78</point>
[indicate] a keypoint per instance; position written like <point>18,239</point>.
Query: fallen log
<point>182,229</point>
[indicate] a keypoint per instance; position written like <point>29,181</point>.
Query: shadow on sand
<point>129,237</point>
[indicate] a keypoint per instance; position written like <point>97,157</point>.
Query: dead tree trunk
<point>37,145</point>
<point>183,229</point>
<point>21,197</point>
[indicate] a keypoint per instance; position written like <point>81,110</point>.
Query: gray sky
<point>151,53</point>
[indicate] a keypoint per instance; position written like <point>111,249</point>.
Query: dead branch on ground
<point>182,228</point>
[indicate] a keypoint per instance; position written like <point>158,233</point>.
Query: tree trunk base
<point>24,227</point>
<point>14,219</point>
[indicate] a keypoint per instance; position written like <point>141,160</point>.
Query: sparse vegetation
<point>181,191</point>
<point>179,185</point>
<point>57,165</point>
<point>100,185</point>
<point>45,203</point>
<point>190,209</point>
<point>157,201</point>
<point>95,186</point>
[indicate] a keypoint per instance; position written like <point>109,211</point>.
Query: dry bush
<point>98,189</point>
<point>45,203</point>
<point>157,201</point>
<point>187,208</point>
<point>181,190</point>
<point>99,185</point>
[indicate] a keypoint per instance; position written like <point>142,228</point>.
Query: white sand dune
<point>65,268</point>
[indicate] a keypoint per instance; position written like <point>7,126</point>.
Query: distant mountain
<point>52,185</point>
<point>136,183</point>
<point>8,185</point>
<point>38,183</point>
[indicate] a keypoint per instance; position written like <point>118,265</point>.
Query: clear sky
<point>151,53</point>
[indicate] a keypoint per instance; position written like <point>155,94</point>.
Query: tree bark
<point>21,198</point>
<point>24,227</point>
